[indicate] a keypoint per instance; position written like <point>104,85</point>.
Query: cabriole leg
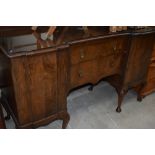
<point>65,121</point>
<point>139,95</point>
<point>91,88</point>
<point>120,99</point>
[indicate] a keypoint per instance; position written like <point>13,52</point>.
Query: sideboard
<point>38,81</point>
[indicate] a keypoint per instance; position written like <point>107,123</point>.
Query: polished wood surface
<point>38,81</point>
<point>135,65</point>
<point>150,83</point>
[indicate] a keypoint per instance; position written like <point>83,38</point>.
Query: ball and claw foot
<point>65,121</point>
<point>90,88</point>
<point>118,109</point>
<point>140,98</point>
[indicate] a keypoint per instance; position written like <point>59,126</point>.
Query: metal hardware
<point>114,45</point>
<point>80,74</point>
<point>82,54</point>
<point>114,48</point>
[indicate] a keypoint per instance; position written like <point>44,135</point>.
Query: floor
<point>96,110</point>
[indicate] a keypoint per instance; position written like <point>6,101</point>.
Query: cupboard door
<point>139,59</point>
<point>42,77</point>
<point>83,73</point>
<point>35,87</point>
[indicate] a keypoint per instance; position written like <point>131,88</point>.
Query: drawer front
<point>109,65</point>
<point>103,47</point>
<point>85,52</point>
<point>83,73</point>
<point>81,53</point>
<point>94,70</point>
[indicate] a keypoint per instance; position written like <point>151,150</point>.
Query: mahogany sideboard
<point>38,81</point>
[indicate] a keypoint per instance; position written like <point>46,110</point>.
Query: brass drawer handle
<point>114,45</point>
<point>114,48</point>
<point>80,74</point>
<point>82,54</point>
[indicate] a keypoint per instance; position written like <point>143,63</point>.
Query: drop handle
<point>80,74</point>
<point>114,48</point>
<point>114,45</point>
<point>115,52</point>
<point>82,54</point>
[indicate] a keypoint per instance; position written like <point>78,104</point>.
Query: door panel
<point>139,59</point>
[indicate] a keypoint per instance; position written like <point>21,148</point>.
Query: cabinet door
<point>35,87</point>
<point>139,59</point>
<point>42,89</point>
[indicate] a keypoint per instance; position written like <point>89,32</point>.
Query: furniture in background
<point>39,80</point>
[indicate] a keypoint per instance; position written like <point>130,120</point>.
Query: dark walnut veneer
<point>37,82</point>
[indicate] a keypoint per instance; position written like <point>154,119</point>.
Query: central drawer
<point>109,65</point>
<point>92,71</point>
<point>89,51</point>
<point>97,48</point>
<point>98,59</point>
<point>83,73</point>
